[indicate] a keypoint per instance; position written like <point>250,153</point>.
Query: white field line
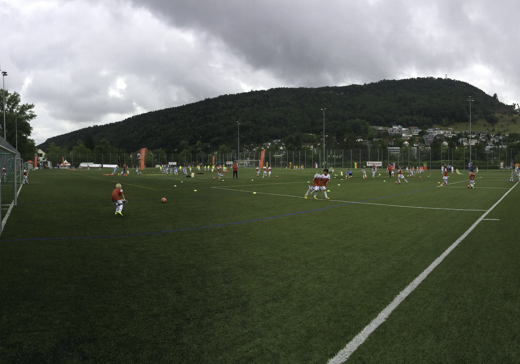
<point>360,338</point>
<point>358,202</point>
<point>489,188</point>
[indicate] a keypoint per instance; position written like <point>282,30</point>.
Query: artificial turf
<point>222,275</point>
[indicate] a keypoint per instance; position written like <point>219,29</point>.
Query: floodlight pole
<point>238,144</point>
<point>470,136</point>
<point>4,73</point>
<point>324,163</point>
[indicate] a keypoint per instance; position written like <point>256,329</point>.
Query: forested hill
<point>283,112</point>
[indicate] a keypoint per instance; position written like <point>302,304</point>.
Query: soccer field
<point>248,271</point>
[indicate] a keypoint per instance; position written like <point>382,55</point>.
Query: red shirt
<point>316,181</point>
<point>472,176</point>
<point>445,172</point>
<point>324,180</point>
<point>116,194</point>
<point>235,167</point>
<point>390,168</point>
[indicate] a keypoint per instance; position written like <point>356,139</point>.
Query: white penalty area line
<point>358,202</point>
<point>360,338</point>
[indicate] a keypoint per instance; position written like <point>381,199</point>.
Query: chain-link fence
<point>485,158</point>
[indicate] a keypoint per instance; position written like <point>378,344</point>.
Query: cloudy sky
<point>98,61</point>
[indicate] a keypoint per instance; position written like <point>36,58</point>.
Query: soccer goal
<point>10,185</point>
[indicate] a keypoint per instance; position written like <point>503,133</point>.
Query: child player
<point>512,174</point>
<point>264,168</point>
<point>4,174</point>
<point>257,171</point>
<point>472,179</point>
<point>325,178</point>
<point>219,172</point>
<point>400,176</point>
<point>269,171</point>
<point>25,176</point>
<point>445,177</point>
<point>116,198</point>
<point>373,171</point>
<point>364,173</point>
<point>314,185</point>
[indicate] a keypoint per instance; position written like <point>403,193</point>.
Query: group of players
<point>319,183</point>
<point>25,178</point>
<point>265,170</point>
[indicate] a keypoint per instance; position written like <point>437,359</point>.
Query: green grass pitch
<point>223,275</point>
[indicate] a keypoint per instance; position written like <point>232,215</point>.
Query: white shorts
<point>400,176</point>
<point>323,188</point>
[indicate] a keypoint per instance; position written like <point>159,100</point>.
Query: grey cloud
<point>169,53</point>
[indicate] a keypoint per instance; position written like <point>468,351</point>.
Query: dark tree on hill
<point>284,112</point>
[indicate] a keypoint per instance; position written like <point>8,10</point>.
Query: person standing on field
<point>116,198</point>
<point>324,179</point>
<point>25,180</point>
<point>390,170</point>
<point>235,169</point>
<point>445,177</point>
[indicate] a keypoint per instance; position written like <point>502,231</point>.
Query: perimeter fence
<point>10,180</point>
<point>432,158</point>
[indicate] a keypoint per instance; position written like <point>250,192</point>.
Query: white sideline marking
<point>491,219</point>
<point>343,355</point>
<point>357,202</point>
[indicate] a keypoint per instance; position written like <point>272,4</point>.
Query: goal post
<point>10,183</point>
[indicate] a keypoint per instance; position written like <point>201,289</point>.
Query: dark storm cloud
<point>310,43</point>
<point>314,42</point>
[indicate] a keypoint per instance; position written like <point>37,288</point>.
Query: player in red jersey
<point>324,179</point>
<point>400,176</point>
<point>116,198</point>
<point>472,179</point>
<point>445,177</point>
<point>314,185</point>
<point>25,179</point>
